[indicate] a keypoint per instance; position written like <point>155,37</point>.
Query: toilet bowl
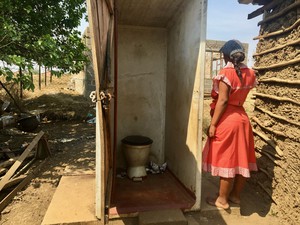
<point>136,150</point>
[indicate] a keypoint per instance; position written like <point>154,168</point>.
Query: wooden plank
<point>277,116</point>
<point>109,6</point>
<point>115,100</point>
<point>11,161</point>
<point>281,64</point>
<point>14,181</point>
<point>261,10</point>
<point>23,183</point>
<point>24,168</point>
<point>260,123</point>
<point>108,195</point>
<point>278,80</point>
<point>269,142</point>
<point>19,161</point>
<point>295,42</point>
<point>281,99</point>
<point>280,13</point>
<point>279,32</point>
<point>98,13</point>
<point>95,43</point>
<point>43,150</point>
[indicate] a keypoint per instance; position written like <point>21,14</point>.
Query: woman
<point>229,151</point>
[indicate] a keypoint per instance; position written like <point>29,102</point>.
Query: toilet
<point>136,150</point>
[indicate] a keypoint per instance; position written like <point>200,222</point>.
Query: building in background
<point>84,82</point>
<point>214,61</point>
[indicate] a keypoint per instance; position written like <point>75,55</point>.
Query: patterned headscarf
<point>231,47</point>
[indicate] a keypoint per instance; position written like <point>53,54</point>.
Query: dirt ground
<point>71,138</point>
<point>64,116</point>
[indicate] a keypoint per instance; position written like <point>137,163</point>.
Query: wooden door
<point>101,24</point>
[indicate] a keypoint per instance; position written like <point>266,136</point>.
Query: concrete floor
<point>155,192</point>
<point>74,202</point>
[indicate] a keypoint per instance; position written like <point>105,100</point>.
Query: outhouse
<point>148,58</point>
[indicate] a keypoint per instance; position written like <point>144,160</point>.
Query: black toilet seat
<point>137,140</point>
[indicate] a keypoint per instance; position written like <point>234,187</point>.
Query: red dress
<point>231,151</point>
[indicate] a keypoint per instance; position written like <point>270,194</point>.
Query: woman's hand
<point>211,131</point>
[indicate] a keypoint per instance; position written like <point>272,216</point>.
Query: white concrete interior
<point>158,86</point>
<point>142,85</point>
<point>183,88</point>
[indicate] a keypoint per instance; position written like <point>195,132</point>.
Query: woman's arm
<point>221,105</point>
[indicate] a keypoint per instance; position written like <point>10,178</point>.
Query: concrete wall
<point>183,93</point>
<point>159,90</point>
<point>84,82</point>
<point>142,86</point>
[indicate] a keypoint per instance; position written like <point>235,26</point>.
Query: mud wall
<point>276,118</point>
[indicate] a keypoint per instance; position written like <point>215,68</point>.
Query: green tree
<point>43,32</point>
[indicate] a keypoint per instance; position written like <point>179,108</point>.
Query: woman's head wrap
<point>231,47</point>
